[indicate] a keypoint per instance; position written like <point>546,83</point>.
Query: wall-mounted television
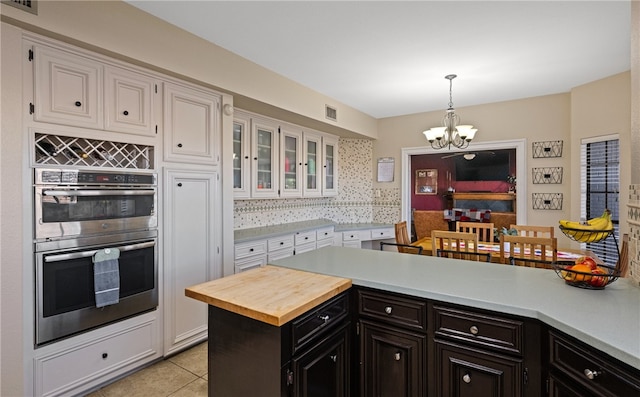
<point>485,166</point>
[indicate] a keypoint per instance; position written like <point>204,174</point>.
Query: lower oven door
<point>65,294</point>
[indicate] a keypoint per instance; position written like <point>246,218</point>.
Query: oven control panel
<point>79,177</point>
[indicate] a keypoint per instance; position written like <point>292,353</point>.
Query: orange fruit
<point>581,268</point>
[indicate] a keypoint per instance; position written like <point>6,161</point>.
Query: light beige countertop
<point>256,233</point>
<point>273,295</point>
<point>608,319</point>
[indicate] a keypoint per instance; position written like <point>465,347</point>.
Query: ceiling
<point>389,58</point>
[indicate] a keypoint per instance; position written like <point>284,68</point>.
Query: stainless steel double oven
<point>77,213</point>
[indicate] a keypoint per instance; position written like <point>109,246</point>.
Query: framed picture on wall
<point>427,181</point>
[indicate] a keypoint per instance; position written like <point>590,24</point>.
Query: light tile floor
<point>182,375</point>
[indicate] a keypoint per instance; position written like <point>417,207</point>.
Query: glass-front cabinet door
<point>330,166</point>
<point>312,164</point>
<point>290,162</point>
<point>264,157</point>
<point>241,153</point>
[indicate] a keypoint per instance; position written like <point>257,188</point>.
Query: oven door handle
<point>85,254</point>
<point>87,193</point>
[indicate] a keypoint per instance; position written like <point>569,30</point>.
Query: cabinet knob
<point>105,355</point>
<point>466,378</point>
<point>388,309</point>
<point>324,318</point>
<point>591,374</point>
<point>334,358</point>
<point>246,157</point>
<point>179,145</point>
<point>78,103</point>
<point>281,242</point>
<point>255,158</point>
<point>179,184</point>
<point>474,330</point>
<point>126,112</point>
<point>396,356</point>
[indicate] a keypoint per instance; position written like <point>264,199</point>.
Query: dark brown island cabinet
<point>368,342</point>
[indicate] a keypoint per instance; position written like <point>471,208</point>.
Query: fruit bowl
<point>585,236</point>
<point>597,278</point>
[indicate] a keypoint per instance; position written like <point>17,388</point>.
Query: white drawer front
<point>324,243</point>
<point>350,236</point>
<point>325,233</point>
<point>60,373</point>
<point>352,244</point>
<point>244,250</point>
<point>305,248</point>
<point>382,233</point>
<point>250,262</point>
<point>278,243</point>
<point>305,237</point>
<point>273,256</point>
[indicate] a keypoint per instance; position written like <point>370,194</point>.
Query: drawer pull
<point>388,309</point>
<point>324,318</point>
<point>334,358</point>
<point>466,378</point>
<point>473,330</point>
<point>396,356</point>
<point>105,355</point>
<point>591,374</point>
<point>281,242</point>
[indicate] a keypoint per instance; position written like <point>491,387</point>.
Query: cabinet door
<point>129,102</point>
<point>467,372</point>
<point>241,161</point>
<point>191,125</point>
<point>68,88</point>
<point>264,153</point>
<point>323,370</point>
<point>312,165</point>
<point>393,361</point>
<point>330,166</point>
<point>290,162</point>
<point>191,252</point>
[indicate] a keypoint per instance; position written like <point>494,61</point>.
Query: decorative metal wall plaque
<point>547,175</point>
<point>547,149</point>
<point>547,201</point>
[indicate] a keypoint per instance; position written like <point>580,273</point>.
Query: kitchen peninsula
<point>542,326</point>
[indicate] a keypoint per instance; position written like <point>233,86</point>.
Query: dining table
<point>563,254</point>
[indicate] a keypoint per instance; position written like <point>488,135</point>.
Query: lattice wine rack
<point>73,151</point>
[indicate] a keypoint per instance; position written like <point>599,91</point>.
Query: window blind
<point>600,181</point>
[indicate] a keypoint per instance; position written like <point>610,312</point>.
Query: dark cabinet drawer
<point>324,317</point>
<point>479,329</point>
<point>591,369</point>
<point>393,309</point>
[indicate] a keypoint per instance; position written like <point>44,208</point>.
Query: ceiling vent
<point>25,5</point>
<point>331,113</point>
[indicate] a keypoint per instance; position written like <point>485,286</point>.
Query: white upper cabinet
<point>264,159</point>
<point>312,165</point>
<point>68,88</point>
<point>191,125</point>
<point>290,161</point>
<point>241,155</point>
<point>330,165</point>
<point>129,102</point>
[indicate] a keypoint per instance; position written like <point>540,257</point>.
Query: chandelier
<point>451,134</point>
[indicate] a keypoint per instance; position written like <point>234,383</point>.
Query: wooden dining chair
<point>623,260</point>
<point>403,248</point>
<point>533,231</point>
<point>483,230</point>
<point>403,242</point>
<point>457,245</point>
<point>539,252</point>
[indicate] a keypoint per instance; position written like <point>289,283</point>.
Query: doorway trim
<point>520,145</point>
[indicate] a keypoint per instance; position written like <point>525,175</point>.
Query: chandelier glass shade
<point>451,133</point>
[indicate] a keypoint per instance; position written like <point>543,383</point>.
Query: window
<point>600,172</point>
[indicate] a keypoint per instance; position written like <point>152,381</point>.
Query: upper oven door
<point>71,211</point>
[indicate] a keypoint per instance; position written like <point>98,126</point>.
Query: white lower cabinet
<point>351,239</point>
<point>250,255</point>
<point>325,237</point>
<point>73,368</point>
<point>280,247</point>
<point>191,252</point>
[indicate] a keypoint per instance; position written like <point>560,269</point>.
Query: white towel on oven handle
<point>106,276</point>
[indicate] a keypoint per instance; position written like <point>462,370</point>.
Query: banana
<point>592,230</point>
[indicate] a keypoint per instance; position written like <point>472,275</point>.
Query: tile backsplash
<point>356,201</point>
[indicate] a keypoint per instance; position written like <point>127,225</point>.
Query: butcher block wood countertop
<point>273,295</point>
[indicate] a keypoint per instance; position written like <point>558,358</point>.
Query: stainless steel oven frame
<point>48,329</point>
<point>67,185</point>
